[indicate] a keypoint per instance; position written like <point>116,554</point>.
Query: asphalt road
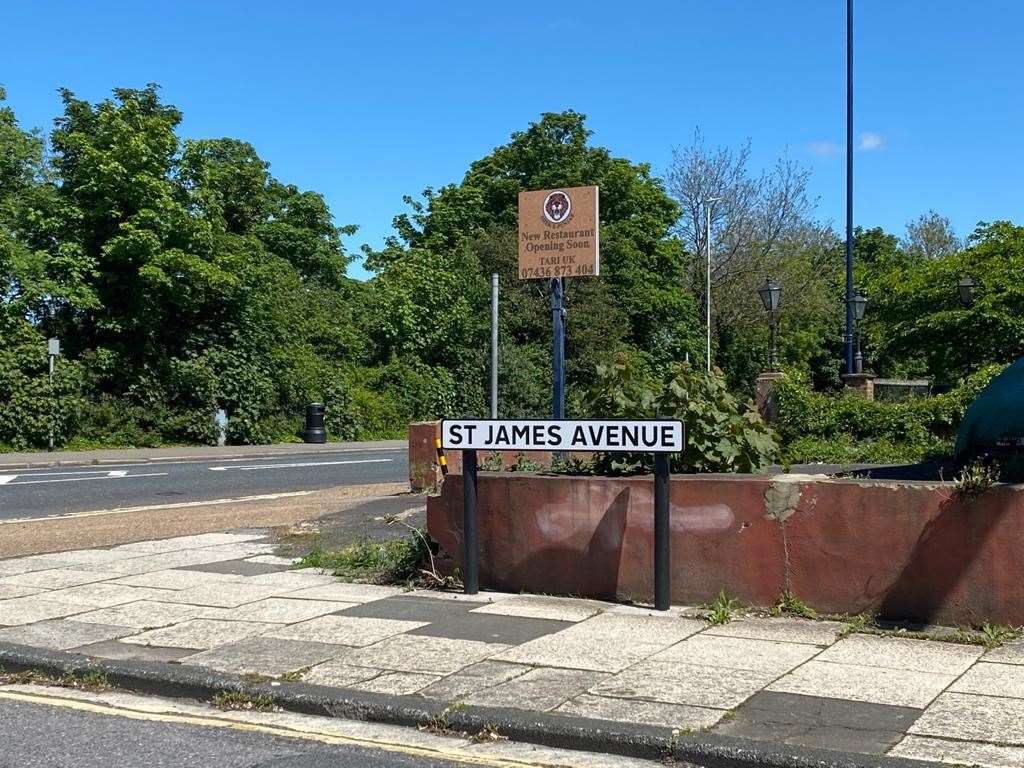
<point>54,491</point>
<point>42,736</point>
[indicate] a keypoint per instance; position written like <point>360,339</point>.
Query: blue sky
<point>365,102</point>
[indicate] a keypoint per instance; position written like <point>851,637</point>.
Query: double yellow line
<point>451,755</point>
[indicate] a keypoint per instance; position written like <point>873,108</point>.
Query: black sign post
<point>662,437</point>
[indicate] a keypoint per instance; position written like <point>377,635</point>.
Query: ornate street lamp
<point>771,295</point>
<point>966,286</point>
<point>859,304</point>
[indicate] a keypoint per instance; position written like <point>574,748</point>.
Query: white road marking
<point>106,476</point>
<point>4,479</point>
<point>302,464</point>
<point>159,507</point>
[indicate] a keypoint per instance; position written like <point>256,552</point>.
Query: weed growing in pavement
<point>244,701</point>
<point>976,478</point>
<point>488,733</point>
<point>995,635</point>
<point>723,609</point>
<point>393,561</point>
<point>855,624</point>
<point>791,605</point>
<point>84,681</point>
<point>294,676</point>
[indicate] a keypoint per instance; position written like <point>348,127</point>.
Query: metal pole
<point>53,405</point>
<point>471,555</point>
<point>849,187</point>
<point>494,345</point>
<point>662,550</point>
<point>558,348</point>
<point>707,294</point>
<point>773,353</point>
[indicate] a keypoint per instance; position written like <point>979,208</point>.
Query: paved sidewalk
<point>223,601</point>
<point>31,459</point>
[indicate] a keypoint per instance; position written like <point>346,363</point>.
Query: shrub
<point>846,428</point>
<point>723,434</point>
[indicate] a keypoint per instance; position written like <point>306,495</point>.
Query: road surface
<point>44,736</point>
<point>55,491</point>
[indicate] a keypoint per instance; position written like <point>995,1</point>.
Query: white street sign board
<point>609,435</point>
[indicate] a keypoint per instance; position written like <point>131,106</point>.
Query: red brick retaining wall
<point>901,550</point>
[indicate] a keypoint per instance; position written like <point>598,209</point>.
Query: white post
<point>494,345</point>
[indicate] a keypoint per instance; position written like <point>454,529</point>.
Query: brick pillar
<point>764,395</point>
<point>861,384</point>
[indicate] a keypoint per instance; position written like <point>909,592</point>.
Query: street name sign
<point>559,233</point>
<point>608,435</point>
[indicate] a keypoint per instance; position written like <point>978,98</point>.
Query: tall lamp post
<point>857,306</point>
<point>850,319</point>
<point>771,295</point>
<point>707,288</point>
<point>53,351</point>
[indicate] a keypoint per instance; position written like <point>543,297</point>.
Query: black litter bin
<point>314,431</point>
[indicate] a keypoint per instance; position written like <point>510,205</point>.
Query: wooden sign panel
<point>559,233</point>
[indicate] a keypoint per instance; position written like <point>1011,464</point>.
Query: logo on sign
<point>557,207</point>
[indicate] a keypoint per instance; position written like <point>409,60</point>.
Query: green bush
<point>723,434</point>
<point>846,428</point>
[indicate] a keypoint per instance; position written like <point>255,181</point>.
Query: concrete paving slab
<point>492,628</point>
<point>338,674</point>
<point>188,542</point>
<point>26,610</point>
<point>346,593</point>
<point>409,608</point>
<point>959,752</point>
<point>782,629</point>
<point>739,653</point>
<point>969,717</point>
<point>675,611</point>
<point>605,643</point>
<point>114,649</point>
<point>475,677</point>
<point>678,683</point>
<point>992,680</point>
<point>396,683</point>
<point>144,614</point>
<point>903,654</point>
<point>1011,653</point>
<point>61,634</point>
<point>431,655</point>
<point>263,656</point>
<point>484,596</point>
<point>344,630</point>
<point>544,607</point>
<point>539,689</point>
<point>56,578</point>
<point>104,594</point>
<point>18,565</point>
<point>880,685</point>
<point>234,568</point>
<point>676,716</point>
<point>93,556</point>
<point>811,721</point>
<point>201,634</point>
<point>276,610</point>
<point>222,595</point>
<point>9,591</point>
<point>288,562</point>
<point>291,581</point>
<point>176,579</point>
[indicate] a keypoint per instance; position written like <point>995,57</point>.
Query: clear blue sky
<point>365,102</point>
